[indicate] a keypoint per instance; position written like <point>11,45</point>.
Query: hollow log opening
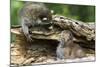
<point>42,47</point>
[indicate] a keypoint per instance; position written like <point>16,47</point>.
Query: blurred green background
<point>83,13</point>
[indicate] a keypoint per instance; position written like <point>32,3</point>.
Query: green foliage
<point>15,7</point>
<point>79,12</point>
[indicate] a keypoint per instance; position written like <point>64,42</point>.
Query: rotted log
<point>84,33</point>
<point>77,27</point>
<point>20,42</point>
<point>36,51</point>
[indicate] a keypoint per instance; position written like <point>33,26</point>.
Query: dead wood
<point>44,46</point>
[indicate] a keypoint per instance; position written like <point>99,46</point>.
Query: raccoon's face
<point>44,18</point>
